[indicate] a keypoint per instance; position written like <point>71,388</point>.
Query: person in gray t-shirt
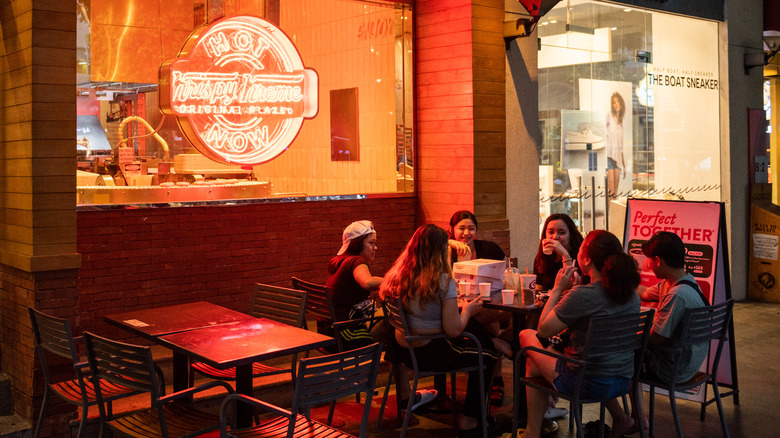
<point>675,293</point>
<point>611,291</point>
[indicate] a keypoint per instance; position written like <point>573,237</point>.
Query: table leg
<point>520,412</point>
<point>244,386</point>
<point>181,371</point>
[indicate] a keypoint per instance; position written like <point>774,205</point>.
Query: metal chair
<point>321,379</point>
<point>320,306</point>
<point>700,325</point>
<point>276,303</point>
<point>606,336</point>
<point>132,366</point>
<point>396,316</point>
<point>54,335</point>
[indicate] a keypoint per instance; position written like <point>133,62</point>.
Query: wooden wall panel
<point>489,112</point>
<point>37,187</point>
<point>445,108</point>
<point>461,115</point>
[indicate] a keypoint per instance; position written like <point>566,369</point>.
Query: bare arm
<point>459,247</point>
<point>453,321</point>
<point>365,279</point>
<point>647,293</point>
<point>549,324</point>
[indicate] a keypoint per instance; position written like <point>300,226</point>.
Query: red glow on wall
<point>239,90</point>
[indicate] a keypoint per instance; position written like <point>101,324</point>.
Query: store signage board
<point>702,228</point>
<point>239,90</point>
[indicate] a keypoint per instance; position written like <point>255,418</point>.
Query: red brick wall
<point>53,292</point>
<point>140,258</point>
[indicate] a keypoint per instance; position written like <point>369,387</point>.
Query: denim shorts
<point>612,164</point>
<point>593,388</point>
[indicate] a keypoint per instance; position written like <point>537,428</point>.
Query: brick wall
<point>53,292</point>
<point>140,258</point>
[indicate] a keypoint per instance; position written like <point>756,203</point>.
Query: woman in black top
<point>463,235</point>
<point>464,245</point>
<point>558,247</point>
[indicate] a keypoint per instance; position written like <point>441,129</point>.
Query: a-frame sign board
<point>702,227</point>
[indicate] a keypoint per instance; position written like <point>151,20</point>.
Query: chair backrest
<point>124,364</point>
<point>328,378</point>
<point>392,312</point>
<point>54,335</point>
<point>318,301</point>
<point>616,334</point>
<point>280,304</point>
<point>705,324</point>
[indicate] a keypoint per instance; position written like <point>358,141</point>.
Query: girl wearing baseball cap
<point>350,282</point>
<point>352,286</point>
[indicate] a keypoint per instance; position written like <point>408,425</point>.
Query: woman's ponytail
<point>620,277</point>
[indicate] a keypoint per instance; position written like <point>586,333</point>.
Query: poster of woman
<point>614,99</point>
<point>616,155</point>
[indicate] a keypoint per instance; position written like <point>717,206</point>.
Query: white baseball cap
<point>353,231</point>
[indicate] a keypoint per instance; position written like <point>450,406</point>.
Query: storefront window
<point>629,107</point>
<point>359,142</point>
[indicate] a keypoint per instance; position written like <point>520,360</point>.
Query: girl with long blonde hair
<point>422,278</point>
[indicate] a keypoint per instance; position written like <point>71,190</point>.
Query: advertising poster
<point>697,225</point>
<point>764,268</point>
<point>612,101</point>
<point>582,132</point>
<point>683,87</point>
<point>701,227</point>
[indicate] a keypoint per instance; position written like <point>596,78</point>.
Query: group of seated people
<point>586,277</point>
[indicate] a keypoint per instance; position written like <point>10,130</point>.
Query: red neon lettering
<point>242,93</point>
<point>217,44</point>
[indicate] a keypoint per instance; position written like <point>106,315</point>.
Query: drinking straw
<point>526,270</point>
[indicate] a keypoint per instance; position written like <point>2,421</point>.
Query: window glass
<point>363,47</point>
<point>628,106</point>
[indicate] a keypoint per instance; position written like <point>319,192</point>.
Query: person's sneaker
<point>553,413</point>
<point>422,397</point>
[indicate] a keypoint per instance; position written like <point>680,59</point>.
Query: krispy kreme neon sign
<point>239,90</point>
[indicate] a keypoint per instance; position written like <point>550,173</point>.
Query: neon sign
<point>239,90</point>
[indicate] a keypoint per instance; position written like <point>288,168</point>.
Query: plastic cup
<point>484,290</point>
<point>528,281</point>
<point>463,288</point>
<point>508,296</point>
<point>546,249</point>
<point>528,287</point>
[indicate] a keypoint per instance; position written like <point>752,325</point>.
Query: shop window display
<point>629,107</point>
<point>130,153</point>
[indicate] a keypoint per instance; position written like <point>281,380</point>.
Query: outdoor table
<point>239,345</point>
<point>159,321</point>
<point>520,313</point>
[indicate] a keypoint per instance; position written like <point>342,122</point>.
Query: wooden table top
<point>244,342</point>
<point>158,321</point>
